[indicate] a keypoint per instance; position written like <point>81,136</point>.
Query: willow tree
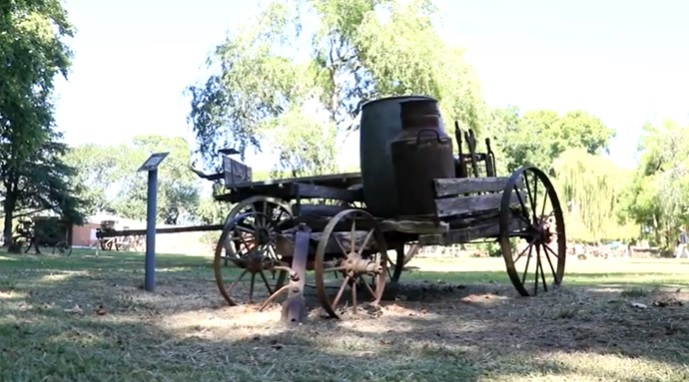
<point>659,197</point>
<point>273,73</point>
<point>590,187</point>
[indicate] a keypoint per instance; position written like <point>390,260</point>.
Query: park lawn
<point>86,318</point>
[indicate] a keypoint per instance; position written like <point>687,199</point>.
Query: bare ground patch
<point>94,321</point>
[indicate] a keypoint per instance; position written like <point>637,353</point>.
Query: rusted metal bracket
<point>294,308</point>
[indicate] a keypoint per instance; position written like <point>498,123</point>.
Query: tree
<point>267,79</point>
<point>590,187</point>
<point>46,183</point>
<point>112,183</point>
<point>658,199</point>
<point>178,187</point>
<point>97,169</point>
<point>538,137</point>
<point>33,53</point>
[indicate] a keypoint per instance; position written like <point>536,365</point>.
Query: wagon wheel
<point>530,210</point>
<point>272,209</point>
<point>62,248</point>
<point>396,267</point>
<point>137,243</point>
<point>354,259</point>
<point>250,242</point>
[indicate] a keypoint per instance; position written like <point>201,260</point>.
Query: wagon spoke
<point>245,242</point>
<point>370,290</point>
<point>251,287</point>
<point>526,269</point>
<point>277,218</point>
<point>365,242</point>
<point>535,195</point>
<point>340,292</point>
<point>234,239</point>
<point>524,209</point>
<point>546,248</point>
<point>539,264</point>
<point>265,282</point>
<point>266,212</point>
<point>236,281</point>
<point>354,302</point>
<point>530,197</point>
<point>339,244</point>
<point>523,252</point>
<point>546,198</point>
<point>246,229</point>
<point>352,242</point>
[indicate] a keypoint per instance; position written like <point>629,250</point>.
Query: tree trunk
<point>656,230</point>
<point>8,207</point>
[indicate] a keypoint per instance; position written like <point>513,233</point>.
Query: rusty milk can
<point>421,152</point>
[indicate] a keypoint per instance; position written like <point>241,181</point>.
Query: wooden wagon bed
<point>321,224</point>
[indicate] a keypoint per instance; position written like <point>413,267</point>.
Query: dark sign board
<point>153,162</point>
<point>235,171</point>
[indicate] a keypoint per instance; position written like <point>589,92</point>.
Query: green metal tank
<point>381,122</point>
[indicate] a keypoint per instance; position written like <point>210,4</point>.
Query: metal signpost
<point>151,165</point>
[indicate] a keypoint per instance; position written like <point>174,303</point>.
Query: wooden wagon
<point>279,229</point>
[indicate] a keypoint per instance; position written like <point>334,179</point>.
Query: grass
<point>86,318</point>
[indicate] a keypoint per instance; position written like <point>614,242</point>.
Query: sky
<point>624,61</point>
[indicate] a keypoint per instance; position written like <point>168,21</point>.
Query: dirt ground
<point>86,317</point>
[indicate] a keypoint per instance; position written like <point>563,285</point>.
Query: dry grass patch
<point>98,324</point>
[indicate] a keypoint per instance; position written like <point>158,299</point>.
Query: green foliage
<point>96,169</point>
<point>211,211</point>
<point>590,187</point>
<point>538,137</point>
<point>263,93</point>
<point>33,53</point>
<point>658,198</point>
<point>296,98</point>
<point>104,168</point>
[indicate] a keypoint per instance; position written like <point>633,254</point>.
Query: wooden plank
<point>456,186</point>
<point>413,227</point>
<point>344,179</point>
<point>462,205</point>
<point>235,171</point>
<point>324,210</point>
<point>285,242</point>
<point>304,190</point>
<point>468,234</point>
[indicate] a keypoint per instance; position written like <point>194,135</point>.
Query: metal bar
<point>137,232</point>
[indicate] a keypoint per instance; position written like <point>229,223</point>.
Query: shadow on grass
<point>53,329</point>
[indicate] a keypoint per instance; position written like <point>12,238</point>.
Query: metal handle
<point>437,135</point>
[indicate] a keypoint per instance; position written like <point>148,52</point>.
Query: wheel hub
<point>540,232</point>
<point>355,265</point>
<point>253,261</point>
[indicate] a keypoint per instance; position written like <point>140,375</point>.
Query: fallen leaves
<point>76,309</point>
<point>100,311</point>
